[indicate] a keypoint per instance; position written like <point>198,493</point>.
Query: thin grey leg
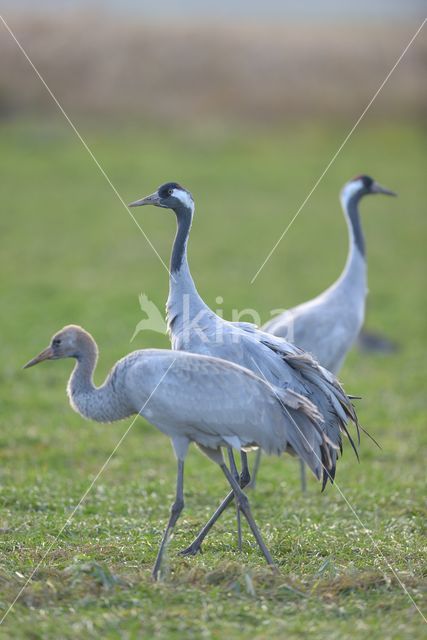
<point>255,469</point>
<point>232,462</point>
<point>245,476</point>
<point>176,509</point>
<point>195,546</point>
<point>243,502</point>
<point>235,473</point>
<point>303,476</point>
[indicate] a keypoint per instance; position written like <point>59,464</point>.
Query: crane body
<point>328,325</point>
<point>194,327</point>
<point>192,398</point>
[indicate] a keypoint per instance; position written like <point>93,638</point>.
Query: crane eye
<point>56,342</point>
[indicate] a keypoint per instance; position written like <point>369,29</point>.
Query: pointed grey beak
<point>152,199</point>
<point>46,354</point>
<point>377,188</point>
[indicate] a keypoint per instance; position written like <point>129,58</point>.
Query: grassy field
<point>71,253</point>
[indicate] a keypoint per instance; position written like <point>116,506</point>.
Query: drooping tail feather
<point>331,401</point>
<point>333,392</point>
<point>295,400</point>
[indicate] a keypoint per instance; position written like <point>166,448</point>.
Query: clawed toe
<point>192,550</point>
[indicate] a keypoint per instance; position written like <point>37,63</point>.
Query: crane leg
<point>303,476</point>
<point>195,546</point>
<point>255,469</point>
<point>243,502</point>
<point>245,476</point>
<point>232,462</point>
<point>235,473</point>
<point>175,512</point>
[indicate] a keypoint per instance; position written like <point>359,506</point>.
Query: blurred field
<point>186,71</point>
<point>71,253</point>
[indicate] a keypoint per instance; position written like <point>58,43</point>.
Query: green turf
<point>71,253</point>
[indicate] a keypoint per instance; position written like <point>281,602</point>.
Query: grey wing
<point>327,394</point>
<point>306,436</point>
<point>216,403</point>
<point>222,399</point>
<point>245,325</point>
<point>286,366</point>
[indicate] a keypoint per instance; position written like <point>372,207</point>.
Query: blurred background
<point>244,103</point>
<point>245,106</point>
<point>215,61</point>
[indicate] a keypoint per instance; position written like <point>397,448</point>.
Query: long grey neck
<point>354,273</point>
<point>184,217</point>
<point>181,283</point>
<point>351,209</point>
<point>106,403</point>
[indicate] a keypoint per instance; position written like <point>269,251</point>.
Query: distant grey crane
<point>194,327</point>
<point>328,325</point>
<point>193,398</point>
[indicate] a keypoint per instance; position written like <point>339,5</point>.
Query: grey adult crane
<point>192,398</point>
<point>328,325</point>
<point>196,328</point>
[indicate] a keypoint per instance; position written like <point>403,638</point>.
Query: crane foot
<point>192,550</point>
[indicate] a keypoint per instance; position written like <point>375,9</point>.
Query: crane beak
<point>46,354</point>
<point>377,188</point>
<point>153,199</point>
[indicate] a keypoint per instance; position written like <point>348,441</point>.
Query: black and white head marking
<point>360,186</point>
<point>172,194</point>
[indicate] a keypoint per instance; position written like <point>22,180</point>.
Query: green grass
<point>71,253</point>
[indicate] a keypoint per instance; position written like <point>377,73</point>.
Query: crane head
<point>363,185</point>
<point>69,342</point>
<point>170,195</point>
